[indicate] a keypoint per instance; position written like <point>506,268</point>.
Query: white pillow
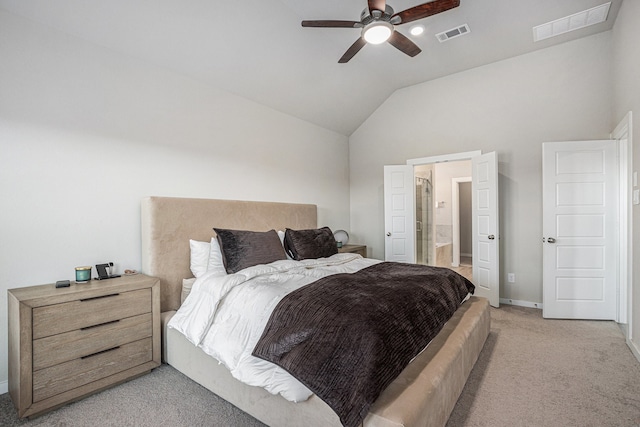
<point>199,257</point>
<point>281,236</point>
<point>215,262</point>
<point>206,256</point>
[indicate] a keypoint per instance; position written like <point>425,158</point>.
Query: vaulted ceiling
<point>257,48</point>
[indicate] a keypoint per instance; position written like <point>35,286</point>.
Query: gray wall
<point>511,107</point>
<point>85,133</point>
<point>626,78</point>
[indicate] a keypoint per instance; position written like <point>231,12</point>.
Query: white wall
<point>626,60</point>
<point>511,107</point>
<point>85,133</point>
<point>444,173</point>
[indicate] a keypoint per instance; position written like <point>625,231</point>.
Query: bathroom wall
<point>445,172</point>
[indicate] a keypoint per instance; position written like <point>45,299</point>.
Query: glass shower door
<point>424,221</point>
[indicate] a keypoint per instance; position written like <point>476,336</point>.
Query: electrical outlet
<point>511,278</point>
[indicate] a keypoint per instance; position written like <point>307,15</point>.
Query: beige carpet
<point>531,372</point>
<point>540,372</point>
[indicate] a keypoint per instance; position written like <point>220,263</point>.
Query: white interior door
<point>485,227</point>
<point>579,229</point>
<point>399,214</point>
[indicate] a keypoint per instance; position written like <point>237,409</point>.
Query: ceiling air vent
<point>573,22</point>
<point>453,33</point>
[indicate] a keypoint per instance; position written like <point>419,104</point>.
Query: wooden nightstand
<point>356,249</point>
<point>66,343</point>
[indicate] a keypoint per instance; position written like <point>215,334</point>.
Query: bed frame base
<point>424,394</point>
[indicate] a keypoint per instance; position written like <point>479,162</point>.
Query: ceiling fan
<point>378,23</point>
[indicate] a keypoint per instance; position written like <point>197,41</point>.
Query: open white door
<point>399,218</point>
<point>399,214</point>
<point>486,247</point>
<point>580,200</point>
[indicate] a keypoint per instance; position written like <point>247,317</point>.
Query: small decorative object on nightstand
<point>83,274</point>
<point>66,343</point>
<point>342,237</point>
<point>355,249</point>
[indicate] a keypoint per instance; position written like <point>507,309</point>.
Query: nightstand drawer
<point>58,318</point>
<point>67,343</point>
<point>71,345</point>
<point>75,373</point>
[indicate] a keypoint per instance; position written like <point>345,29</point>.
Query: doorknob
<point>551,240</point>
<point>388,233</point>
<point>491,237</point>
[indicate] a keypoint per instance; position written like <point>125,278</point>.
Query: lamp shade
<point>341,236</point>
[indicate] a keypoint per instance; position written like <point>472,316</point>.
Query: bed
<point>425,392</point>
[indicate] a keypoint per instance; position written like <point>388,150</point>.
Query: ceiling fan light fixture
<point>377,32</point>
<point>378,25</point>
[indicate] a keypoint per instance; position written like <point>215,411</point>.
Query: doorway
<point>400,216</point>
<point>443,215</point>
<point>580,206</point>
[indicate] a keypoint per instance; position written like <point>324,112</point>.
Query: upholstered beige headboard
<point>169,222</point>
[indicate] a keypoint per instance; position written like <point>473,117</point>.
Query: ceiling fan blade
<point>355,48</point>
<point>377,5</point>
<point>425,10</point>
<point>402,43</point>
<point>332,24</point>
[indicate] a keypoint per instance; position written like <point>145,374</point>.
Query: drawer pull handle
<point>102,296</point>
<point>99,324</point>
<point>99,352</point>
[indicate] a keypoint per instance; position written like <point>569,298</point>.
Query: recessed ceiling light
<point>417,30</point>
<point>573,22</point>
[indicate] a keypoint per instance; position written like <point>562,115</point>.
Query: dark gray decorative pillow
<point>310,244</point>
<point>241,249</point>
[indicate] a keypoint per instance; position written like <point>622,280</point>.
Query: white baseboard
<point>509,301</point>
<point>4,387</point>
<point>634,349</point>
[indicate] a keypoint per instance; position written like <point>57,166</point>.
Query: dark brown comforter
<point>348,336</point>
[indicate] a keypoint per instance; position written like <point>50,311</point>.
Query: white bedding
<point>225,315</point>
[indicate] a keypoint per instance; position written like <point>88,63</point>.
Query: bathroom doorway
<point>443,215</point>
